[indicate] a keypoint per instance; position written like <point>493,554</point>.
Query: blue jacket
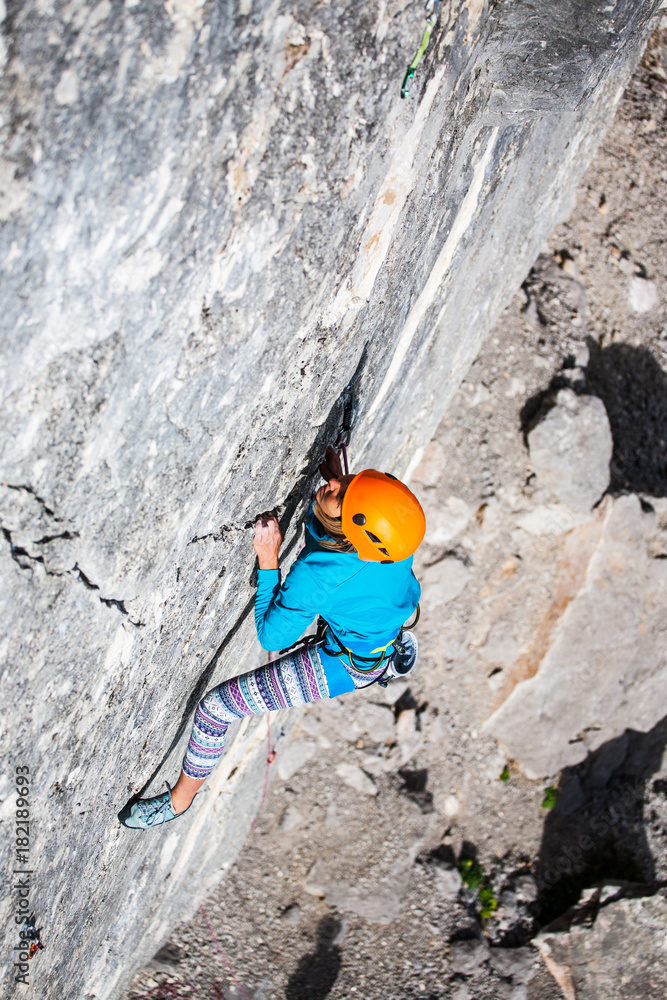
<point>365,603</point>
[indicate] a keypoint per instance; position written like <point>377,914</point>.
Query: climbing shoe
<point>144,814</point>
<point>403,658</point>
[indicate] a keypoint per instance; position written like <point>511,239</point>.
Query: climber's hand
<point>267,541</point>
<point>331,467</point>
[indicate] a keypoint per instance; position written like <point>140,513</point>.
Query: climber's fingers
<point>267,540</point>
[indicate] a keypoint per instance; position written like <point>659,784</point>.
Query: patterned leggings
<point>300,677</point>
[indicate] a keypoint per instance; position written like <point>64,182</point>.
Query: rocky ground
<point>401,851</point>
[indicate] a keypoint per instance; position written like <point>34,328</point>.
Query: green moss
<point>471,873</point>
<point>504,774</point>
<point>473,876</point>
<point>550,797</point>
<point>488,901</point>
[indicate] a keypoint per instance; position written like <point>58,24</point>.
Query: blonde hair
<point>336,542</point>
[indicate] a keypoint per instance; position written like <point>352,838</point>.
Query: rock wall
<point>215,218</point>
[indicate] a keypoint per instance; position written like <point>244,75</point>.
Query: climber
<point>355,570</point>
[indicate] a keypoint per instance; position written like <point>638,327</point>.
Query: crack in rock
<point>66,535</point>
<point>18,554</point>
<point>22,488</point>
<point>109,602</point>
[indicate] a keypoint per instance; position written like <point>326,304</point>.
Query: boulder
<point>609,947</point>
<point>570,450</point>
<point>468,956</point>
<point>294,756</point>
<point>643,295</point>
<point>444,581</point>
<point>597,665</point>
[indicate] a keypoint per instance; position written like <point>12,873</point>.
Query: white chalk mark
<point>438,272</point>
<point>387,210</point>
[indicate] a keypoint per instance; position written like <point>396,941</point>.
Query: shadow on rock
<point>633,388</point>
<point>317,971</point>
<point>597,829</point>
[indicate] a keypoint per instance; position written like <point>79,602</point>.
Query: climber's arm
<point>282,613</point>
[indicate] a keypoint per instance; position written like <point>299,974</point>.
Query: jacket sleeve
<point>283,613</point>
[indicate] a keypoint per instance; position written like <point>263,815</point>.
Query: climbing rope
<point>432,9</point>
<point>180,990</point>
<point>222,954</point>
<point>270,757</point>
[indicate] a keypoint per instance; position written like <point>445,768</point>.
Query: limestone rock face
<point>216,217</point>
<point>571,449</point>
<point>607,624</point>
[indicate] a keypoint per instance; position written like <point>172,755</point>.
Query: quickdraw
<point>432,10</point>
<point>343,436</point>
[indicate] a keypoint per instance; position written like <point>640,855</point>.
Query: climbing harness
<point>432,9</point>
<point>392,669</point>
<point>324,628</point>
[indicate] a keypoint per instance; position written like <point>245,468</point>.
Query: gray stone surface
<point>378,722</point>
<point>513,963</point>
<point>570,450</point>
<point>467,956</point>
<point>354,777</point>
<point>643,295</point>
<point>448,882</point>
<point>213,217</point>
<point>444,581</point>
<point>617,952</point>
<point>608,609</point>
<point>294,757</point>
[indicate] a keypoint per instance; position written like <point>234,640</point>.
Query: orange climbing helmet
<point>381,517</point>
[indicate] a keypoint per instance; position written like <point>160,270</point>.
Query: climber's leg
<point>294,679</point>
<point>184,792</point>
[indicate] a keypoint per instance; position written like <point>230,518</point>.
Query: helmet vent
<point>389,475</point>
<point>359,519</point>
<point>384,552</point>
<point>374,538</point>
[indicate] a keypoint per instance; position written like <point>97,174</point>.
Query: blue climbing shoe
<point>403,659</point>
<point>405,656</point>
<point>144,814</point>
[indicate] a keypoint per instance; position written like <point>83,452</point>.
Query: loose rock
<point>643,295</point>
<point>357,779</point>
<point>293,757</point>
<point>444,581</point>
<point>570,450</point>
<point>467,956</point>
